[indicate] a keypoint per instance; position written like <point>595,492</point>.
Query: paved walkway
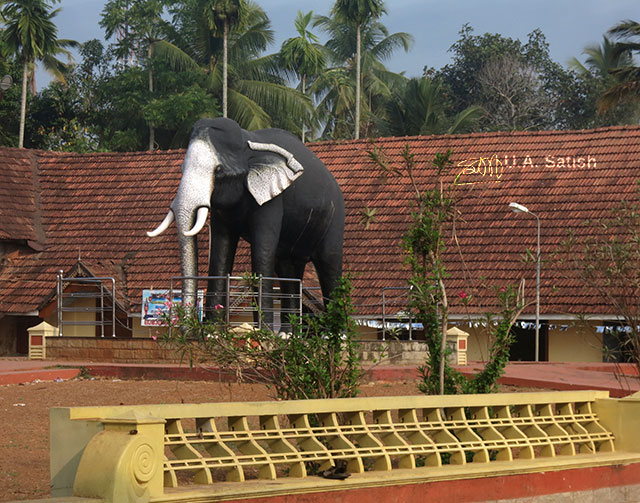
<point>619,380</point>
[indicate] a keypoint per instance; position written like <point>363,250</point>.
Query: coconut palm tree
<point>601,59</point>
<point>627,75</point>
<point>358,13</point>
<point>418,107</point>
<point>335,87</point>
<point>222,15</point>
<point>31,35</point>
<point>139,24</point>
<point>256,89</point>
<point>303,55</point>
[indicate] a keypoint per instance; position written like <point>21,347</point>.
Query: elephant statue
<point>267,187</point>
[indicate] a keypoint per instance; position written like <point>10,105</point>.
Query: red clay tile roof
<point>19,198</point>
<point>97,208</point>
<point>563,177</point>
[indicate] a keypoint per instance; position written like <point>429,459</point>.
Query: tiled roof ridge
<point>487,134</point>
<point>45,154</point>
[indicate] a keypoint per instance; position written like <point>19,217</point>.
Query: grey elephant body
<point>269,189</point>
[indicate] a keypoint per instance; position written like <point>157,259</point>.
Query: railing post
<point>170,300</point>
<point>384,316</point>
<point>113,307</point>
<point>260,313</point>
<point>102,309</point>
<point>410,326</point>
<point>228,300</point>
<point>60,272</point>
<point>123,463</point>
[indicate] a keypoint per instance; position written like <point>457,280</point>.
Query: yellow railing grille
<point>270,446</point>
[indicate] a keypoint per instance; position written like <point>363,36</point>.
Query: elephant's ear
<point>271,170</point>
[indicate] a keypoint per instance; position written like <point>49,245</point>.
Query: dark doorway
<point>616,344</point>
<point>22,336</point>
<point>524,344</point>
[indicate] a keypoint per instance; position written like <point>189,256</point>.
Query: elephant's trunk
<point>190,208</point>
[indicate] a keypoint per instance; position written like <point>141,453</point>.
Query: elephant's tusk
<point>163,226</point>
<point>201,219</point>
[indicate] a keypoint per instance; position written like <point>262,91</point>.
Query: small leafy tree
<point>424,244</point>
<point>607,262</point>
<point>318,359</point>
<point>499,328</point>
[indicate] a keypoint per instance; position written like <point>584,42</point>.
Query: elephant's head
<point>219,150</point>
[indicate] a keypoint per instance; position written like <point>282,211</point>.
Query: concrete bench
<point>236,451</point>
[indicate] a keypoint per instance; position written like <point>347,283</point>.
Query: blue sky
<point>569,25</point>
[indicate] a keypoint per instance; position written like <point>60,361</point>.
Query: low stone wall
<point>394,352</point>
<point>108,349</point>
<point>138,350</point>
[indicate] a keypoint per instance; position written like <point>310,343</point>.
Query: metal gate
<point>71,290</point>
<point>244,299</point>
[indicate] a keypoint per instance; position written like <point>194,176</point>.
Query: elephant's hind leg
<point>328,264</point>
<point>290,290</point>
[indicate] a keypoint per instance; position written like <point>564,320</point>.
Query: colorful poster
<point>156,304</point>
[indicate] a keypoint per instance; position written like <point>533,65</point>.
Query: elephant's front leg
<point>224,242</point>
<point>265,228</point>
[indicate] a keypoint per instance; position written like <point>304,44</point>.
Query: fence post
<point>60,272</point>
<point>124,463</point>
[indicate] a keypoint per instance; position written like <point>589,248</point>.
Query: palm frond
<point>627,89</point>
<point>176,57</point>
<point>625,29</point>
<point>465,119</point>
<point>247,112</point>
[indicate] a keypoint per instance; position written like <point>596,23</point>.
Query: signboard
<point>491,168</point>
<point>156,304</point>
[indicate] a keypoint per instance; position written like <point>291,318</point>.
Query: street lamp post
<point>518,208</point>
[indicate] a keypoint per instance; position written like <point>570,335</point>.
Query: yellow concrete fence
<point>213,452</point>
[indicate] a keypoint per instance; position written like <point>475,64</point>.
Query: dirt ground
<point>24,409</point>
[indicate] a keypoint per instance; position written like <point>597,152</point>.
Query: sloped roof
<point>19,198</point>
<point>563,177</point>
<point>98,207</point>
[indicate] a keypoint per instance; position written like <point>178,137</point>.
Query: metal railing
<point>255,297</point>
<point>399,318</point>
<point>99,295</point>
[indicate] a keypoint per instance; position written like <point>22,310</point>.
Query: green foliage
<point>421,106</point>
<point>160,76</point>
<point>30,35</point>
<point>544,94</point>
<point>500,333</point>
<point>358,11</point>
<point>607,263</point>
<point>424,246</point>
<point>257,94</point>
<point>303,55</point>
<point>627,73</point>
<point>336,87</point>
<point>318,359</point>
<point>9,105</point>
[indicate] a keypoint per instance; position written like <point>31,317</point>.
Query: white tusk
<point>201,219</point>
<point>163,226</point>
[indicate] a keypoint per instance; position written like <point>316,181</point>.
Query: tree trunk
<point>443,326</point>
<point>225,49</point>
<point>152,131</point>
<point>304,91</point>
<point>23,105</point>
<point>357,135</point>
